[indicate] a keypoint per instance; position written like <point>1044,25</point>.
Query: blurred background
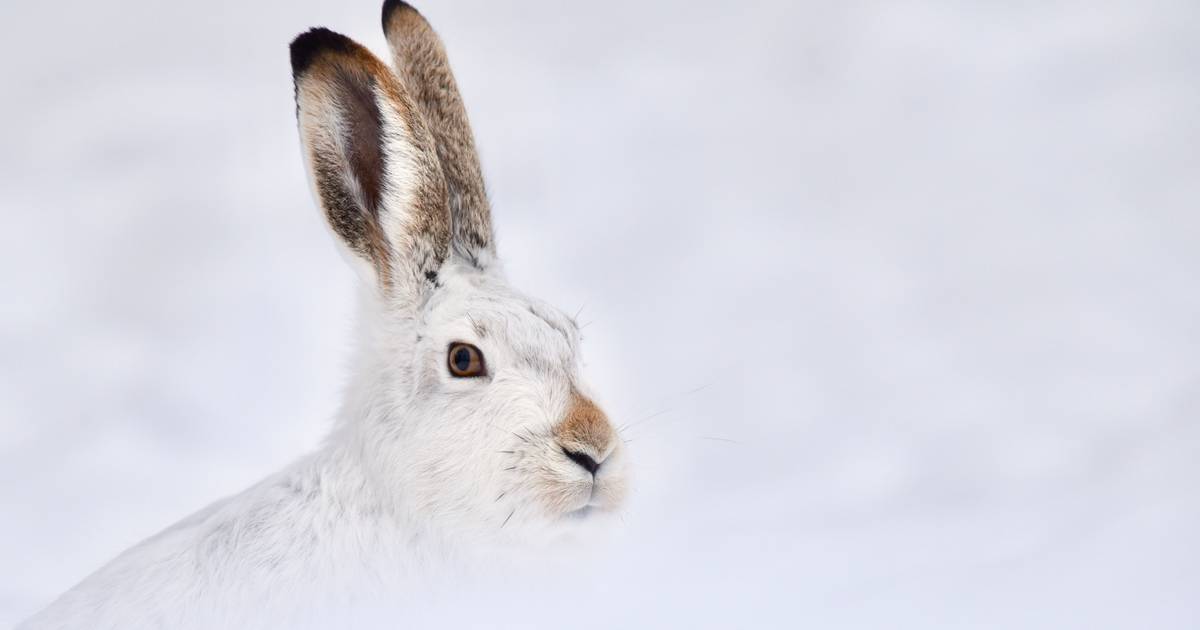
<point>900,297</point>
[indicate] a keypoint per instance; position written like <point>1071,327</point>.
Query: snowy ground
<point>906,292</point>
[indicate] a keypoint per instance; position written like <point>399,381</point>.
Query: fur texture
<point>423,471</point>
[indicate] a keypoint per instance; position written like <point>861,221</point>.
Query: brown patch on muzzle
<point>585,428</point>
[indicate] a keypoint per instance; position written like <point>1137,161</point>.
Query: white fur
<point>423,473</point>
<point>411,482</point>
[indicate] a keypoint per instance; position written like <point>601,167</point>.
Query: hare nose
<point>583,459</point>
<point>584,434</point>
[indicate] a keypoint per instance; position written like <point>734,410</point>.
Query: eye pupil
<point>462,359</point>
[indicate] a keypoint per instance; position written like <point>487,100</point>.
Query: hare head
<point>467,407</point>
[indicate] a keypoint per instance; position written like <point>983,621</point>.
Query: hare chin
<point>581,513</point>
<point>588,502</point>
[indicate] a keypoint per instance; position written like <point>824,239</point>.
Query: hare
<point>466,421</point>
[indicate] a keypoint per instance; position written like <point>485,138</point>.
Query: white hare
<point>466,421</point>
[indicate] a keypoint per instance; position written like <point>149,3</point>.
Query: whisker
<point>676,397</point>
<point>519,436</point>
<point>637,422</point>
<point>501,496</point>
<point>718,439</point>
<point>510,515</point>
<point>657,429</point>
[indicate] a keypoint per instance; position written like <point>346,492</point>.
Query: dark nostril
<point>583,459</point>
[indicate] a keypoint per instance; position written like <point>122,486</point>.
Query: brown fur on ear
<point>420,60</point>
<point>371,158</point>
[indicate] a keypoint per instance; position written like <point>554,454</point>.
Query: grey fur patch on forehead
<point>516,315</point>
<point>495,310</point>
<point>555,319</point>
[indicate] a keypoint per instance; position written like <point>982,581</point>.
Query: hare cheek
<point>610,492</point>
<point>559,489</point>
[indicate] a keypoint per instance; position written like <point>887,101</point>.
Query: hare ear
<point>372,162</point>
<point>420,61</point>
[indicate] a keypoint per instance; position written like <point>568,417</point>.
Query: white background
<point>906,293</point>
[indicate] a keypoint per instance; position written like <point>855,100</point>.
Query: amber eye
<point>465,360</point>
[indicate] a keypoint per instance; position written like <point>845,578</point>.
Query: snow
<point>901,296</point>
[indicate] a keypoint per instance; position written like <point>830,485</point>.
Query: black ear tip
<point>392,6</point>
<point>311,43</point>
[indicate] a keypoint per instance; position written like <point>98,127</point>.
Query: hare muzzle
<point>589,442</point>
<point>585,434</point>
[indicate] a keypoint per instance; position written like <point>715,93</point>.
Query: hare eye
<point>465,360</point>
